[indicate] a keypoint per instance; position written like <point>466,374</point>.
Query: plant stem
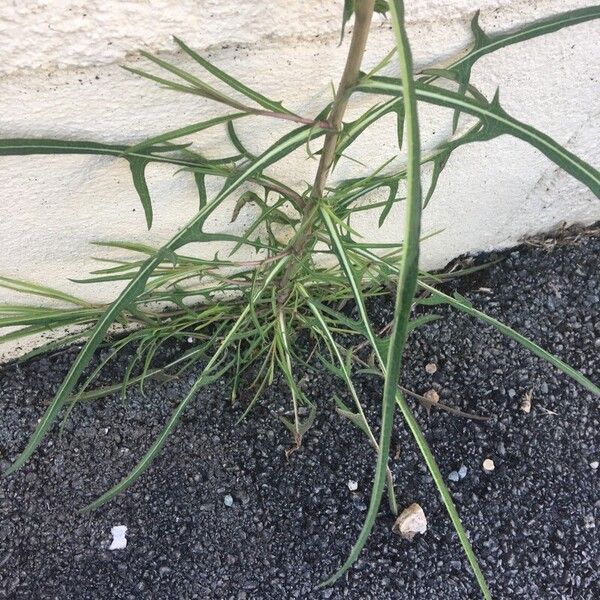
<point>288,117</point>
<point>360,33</point>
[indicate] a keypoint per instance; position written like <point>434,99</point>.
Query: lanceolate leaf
<point>201,88</point>
<point>191,232</point>
<point>407,281</point>
<point>343,370</point>
<point>342,252</point>
<point>389,204</point>
<point>237,143</point>
<point>20,147</point>
<point>238,86</point>
<point>137,160</point>
<point>465,306</point>
<point>27,287</point>
<point>138,168</point>
<point>183,131</point>
<point>485,44</point>
<point>476,134</point>
<point>347,12</point>
<point>496,122</point>
<point>200,179</point>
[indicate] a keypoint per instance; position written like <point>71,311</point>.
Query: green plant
<point>252,312</point>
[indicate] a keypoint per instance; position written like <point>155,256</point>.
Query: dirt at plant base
<point>223,514</point>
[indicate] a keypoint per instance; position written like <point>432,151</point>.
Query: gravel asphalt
<point>534,521</point>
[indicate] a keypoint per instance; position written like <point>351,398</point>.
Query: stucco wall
<point>60,77</point>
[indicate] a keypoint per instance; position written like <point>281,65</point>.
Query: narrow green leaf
<point>389,203</point>
<point>27,287</point>
<point>496,122</point>
<point>190,232</point>
<point>439,163</point>
<point>237,143</point>
<point>167,83</point>
<point>200,179</point>
<point>138,168</point>
<point>238,86</point>
<point>462,66</point>
<point>359,419</point>
<point>407,281</point>
<point>206,377</point>
<point>485,44</point>
<point>202,88</point>
<point>126,245</point>
<point>462,304</point>
<point>347,12</point>
<point>183,131</point>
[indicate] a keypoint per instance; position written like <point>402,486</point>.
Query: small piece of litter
<point>526,402</point>
<point>454,476</point>
<point>431,368</point>
<point>488,465</point>
<point>119,541</point>
<point>352,485</point>
<point>411,521</point>
<point>595,464</point>
<point>431,396</point>
<point>228,500</point>
<point>190,340</point>
<point>462,472</point>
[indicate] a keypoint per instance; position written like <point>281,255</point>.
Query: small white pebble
<point>411,521</point>
<point>431,368</point>
<point>352,485</point>
<point>228,500</point>
<point>454,476</point>
<point>595,464</point>
<point>119,541</point>
<point>488,465</point>
<point>462,472</point>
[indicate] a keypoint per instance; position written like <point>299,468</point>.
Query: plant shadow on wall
<point>244,317</point>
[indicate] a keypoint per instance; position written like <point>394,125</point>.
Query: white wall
<point>60,77</point>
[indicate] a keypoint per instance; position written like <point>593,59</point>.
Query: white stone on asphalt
<point>412,520</point>
<point>488,465</point>
<point>119,541</point>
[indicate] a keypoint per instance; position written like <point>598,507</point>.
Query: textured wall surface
<point>60,76</point>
